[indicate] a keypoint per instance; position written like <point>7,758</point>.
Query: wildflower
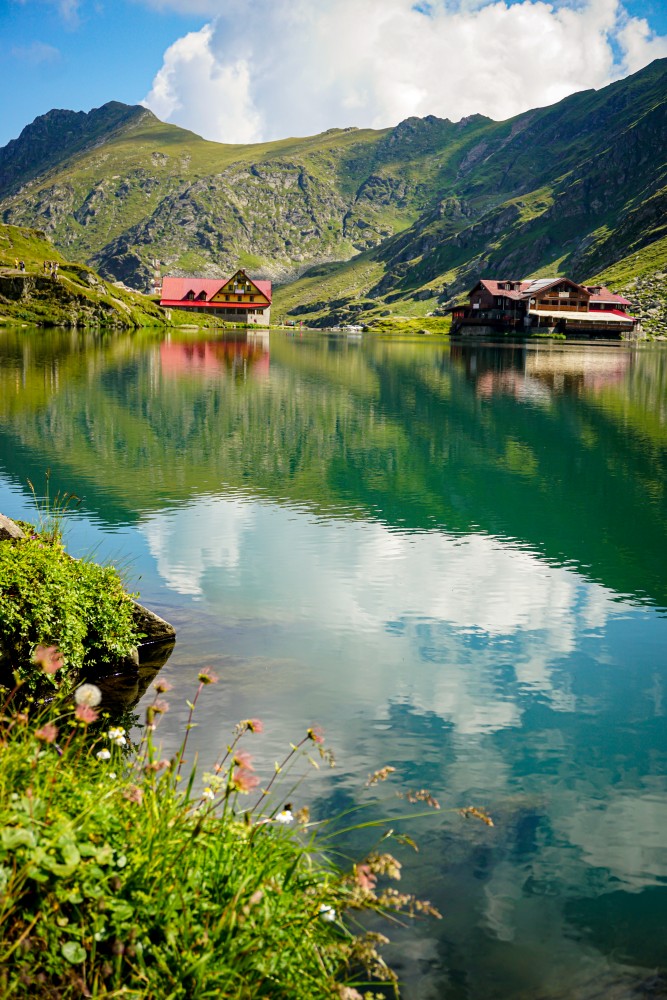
<point>327,913</point>
<point>48,733</point>
<point>162,686</point>
<point>365,877</point>
<point>254,725</point>
<point>112,775</point>
<point>285,817</point>
<point>86,714</point>
<point>315,734</point>
<point>103,755</point>
<point>117,735</point>
<point>134,794</point>
<point>243,780</point>
<point>88,694</point>
<point>207,676</point>
<point>49,657</point>
<point>209,794</point>
<point>243,759</point>
<point>303,816</point>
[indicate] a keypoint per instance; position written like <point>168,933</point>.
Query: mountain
<point>355,222</point>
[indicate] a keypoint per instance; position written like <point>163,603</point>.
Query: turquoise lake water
<point>451,558</point>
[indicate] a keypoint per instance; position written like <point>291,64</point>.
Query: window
<point>252,298</point>
<point>239,298</point>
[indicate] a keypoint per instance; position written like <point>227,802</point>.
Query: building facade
<point>238,299</point>
<point>550,304</point>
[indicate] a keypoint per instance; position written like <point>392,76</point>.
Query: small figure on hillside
<point>55,269</point>
<point>16,263</point>
<point>22,265</point>
<point>46,266</point>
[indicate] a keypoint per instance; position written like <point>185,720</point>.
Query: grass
<point>125,873</point>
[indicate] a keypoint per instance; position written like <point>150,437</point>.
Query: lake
<point>452,558</point>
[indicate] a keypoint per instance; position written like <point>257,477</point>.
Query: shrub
<point>119,877</point>
<point>49,598</point>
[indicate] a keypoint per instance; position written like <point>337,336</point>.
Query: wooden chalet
<point>238,299</point>
<point>550,304</point>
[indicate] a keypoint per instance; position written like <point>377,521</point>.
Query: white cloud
<point>377,600</point>
<point>36,53</point>
<point>289,67</point>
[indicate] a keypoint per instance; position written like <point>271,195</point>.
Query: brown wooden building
<point>556,304</point>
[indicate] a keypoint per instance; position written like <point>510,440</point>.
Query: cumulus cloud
<point>290,67</point>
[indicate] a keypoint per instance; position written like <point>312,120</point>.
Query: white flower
<point>327,913</point>
<point>112,774</point>
<point>103,755</point>
<point>117,735</point>
<point>88,694</point>
<point>208,793</point>
<point>285,816</point>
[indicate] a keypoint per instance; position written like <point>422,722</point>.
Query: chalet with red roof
<point>549,304</point>
<point>238,299</point>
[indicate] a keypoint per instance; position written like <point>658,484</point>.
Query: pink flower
<point>49,657</point>
<point>254,725</point>
<point>243,759</point>
<point>315,734</point>
<point>134,794</point>
<point>243,780</point>
<point>47,733</point>
<point>207,676</point>
<point>365,877</point>
<point>162,686</point>
<point>86,714</point>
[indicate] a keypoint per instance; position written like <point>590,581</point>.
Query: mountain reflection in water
<point>452,558</point>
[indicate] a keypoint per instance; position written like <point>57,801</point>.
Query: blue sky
<point>246,71</point>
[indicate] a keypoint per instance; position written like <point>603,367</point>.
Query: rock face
<point>156,630</point>
<point>9,530</point>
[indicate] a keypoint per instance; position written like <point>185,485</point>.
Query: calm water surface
<point>451,558</point>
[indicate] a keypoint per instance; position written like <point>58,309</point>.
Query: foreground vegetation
<point>119,876</point>
<point>48,597</point>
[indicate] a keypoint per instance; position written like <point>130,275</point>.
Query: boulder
<point>9,530</point>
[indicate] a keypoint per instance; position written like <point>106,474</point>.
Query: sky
<point>254,70</point>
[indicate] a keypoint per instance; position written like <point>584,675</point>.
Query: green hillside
<point>355,225</point>
<point>77,296</point>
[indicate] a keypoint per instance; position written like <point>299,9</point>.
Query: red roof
<point>492,286</point>
<point>175,290</point>
<point>524,287</point>
<point>604,295</point>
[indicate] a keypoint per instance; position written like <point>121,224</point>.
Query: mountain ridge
<point>408,215</point>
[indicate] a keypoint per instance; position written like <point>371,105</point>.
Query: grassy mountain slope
<point>370,222</point>
<point>76,297</point>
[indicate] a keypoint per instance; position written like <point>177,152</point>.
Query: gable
<point>241,288</point>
